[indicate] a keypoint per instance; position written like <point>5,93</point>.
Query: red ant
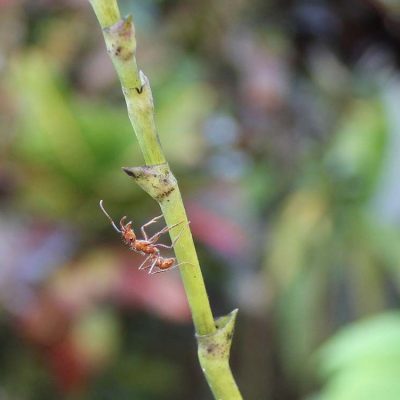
<point>147,246</point>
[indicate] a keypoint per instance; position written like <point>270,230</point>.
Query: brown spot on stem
<point>164,194</point>
<point>125,55</point>
<point>211,348</point>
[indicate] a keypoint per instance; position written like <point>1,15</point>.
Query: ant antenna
<point>111,220</point>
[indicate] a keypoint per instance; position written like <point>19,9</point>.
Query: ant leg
<point>172,244</point>
<point>142,265</point>
<point>152,267</point>
<point>156,236</point>
<point>147,224</point>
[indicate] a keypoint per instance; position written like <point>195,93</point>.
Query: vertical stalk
<point>157,179</point>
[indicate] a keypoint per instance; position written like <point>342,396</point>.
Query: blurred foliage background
<point>280,120</point>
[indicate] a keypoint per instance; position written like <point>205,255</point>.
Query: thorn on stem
<point>129,172</point>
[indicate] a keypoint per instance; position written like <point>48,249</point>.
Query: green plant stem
<point>157,179</point>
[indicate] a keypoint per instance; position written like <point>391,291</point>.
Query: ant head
<point>127,231</point>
